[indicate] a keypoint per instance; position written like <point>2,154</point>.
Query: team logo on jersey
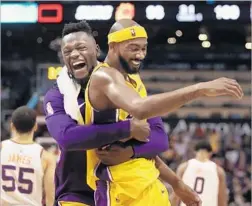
<point>133,33</point>
<point>129,116</point>
<point>49,108</point>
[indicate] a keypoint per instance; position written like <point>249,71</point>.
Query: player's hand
<point>187,195</point>
<point>220,87</point>
<point>114,154</point>
<point>139,130</point>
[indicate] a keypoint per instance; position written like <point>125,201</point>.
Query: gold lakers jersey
<point>131,177</point>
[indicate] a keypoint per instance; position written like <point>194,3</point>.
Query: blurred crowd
<point>232,152</point>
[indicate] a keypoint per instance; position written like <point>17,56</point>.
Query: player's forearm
<point>174,200</point>
<point>71,136</point>
<point>223,201</point>
<point>50,201</point>
<point>223,196</point>
<point>160,104</point>
<point>158,141</point>
<point>167,174</point>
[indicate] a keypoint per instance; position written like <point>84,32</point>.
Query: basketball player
<point>73,139</point>
<point>205,177</point>
<point>27,170</point>
<point>109,89</point>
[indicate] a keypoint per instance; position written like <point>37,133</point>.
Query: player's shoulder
<point>221,172</point>
<point>106,74</point>
<point>183,165</point>
<point>181,168</point>
<point>4,143</point>
<point>37,145</point>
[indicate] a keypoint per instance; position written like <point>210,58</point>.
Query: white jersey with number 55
<point>21,174</point>
<point>203,178</point>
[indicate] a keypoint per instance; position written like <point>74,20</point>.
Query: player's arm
<point>222,195</point>
<point>111,83</point>
<point>182,191</point>
<point>158,141</point>
<point>180,171</point>
<point>71,136</point>
<point>49,164</point>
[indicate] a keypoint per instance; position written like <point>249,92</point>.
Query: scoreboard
<point>158,11</point>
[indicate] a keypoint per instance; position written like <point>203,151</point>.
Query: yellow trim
<point>66,203</point>
<point>92,159</point>
<point>127,34</point>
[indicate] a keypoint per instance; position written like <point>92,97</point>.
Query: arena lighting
<point>202,37</point>
<point>227,12</point>
<point>186,13</point>
<point>94,12</point>
<point>39,40</point>
<point>206,44</point>
<point>19,12</point>
<point>178,33</point>
<point>30,13</point>
<point>248,45</point>
<point>125,11</point>
<point>8,33</point>
<point>171,40</point>
<point>57,18</point>
<point>155,12</point>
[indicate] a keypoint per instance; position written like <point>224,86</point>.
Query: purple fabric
<point>101,194</point>
<point>102,172</point>
<point>71,136</point>
<point>73,139</point>
<point>158,141</point>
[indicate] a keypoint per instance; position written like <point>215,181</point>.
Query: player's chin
<point>81,73</point>
<point>134,70</point>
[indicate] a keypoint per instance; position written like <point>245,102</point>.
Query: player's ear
<point>12,126</point>
<point>35,127</point>
<point>112,46</point>
<point>210,154</point>
<point>98,50</point>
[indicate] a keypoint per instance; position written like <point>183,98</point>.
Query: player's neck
<point>26,138</point>
<point>202,156</point>
<point>115,64</point>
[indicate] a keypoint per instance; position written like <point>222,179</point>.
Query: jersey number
<point>199,185</point>
<point>27,183</point>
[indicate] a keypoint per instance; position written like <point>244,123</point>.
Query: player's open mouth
<point>78,65</point>
<point>136,63</point>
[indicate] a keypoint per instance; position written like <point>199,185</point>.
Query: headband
<point>127,34</point>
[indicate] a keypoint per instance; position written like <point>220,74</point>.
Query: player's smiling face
<point>79,52</point>
<point>132,53</point>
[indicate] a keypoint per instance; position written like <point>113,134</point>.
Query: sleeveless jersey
<point>203,178</point>
<point>131,177</point>
<point>22,174</point>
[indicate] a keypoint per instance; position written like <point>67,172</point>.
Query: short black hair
<point>24,119</point>
<point>203,145</point>
<point>76,27</point>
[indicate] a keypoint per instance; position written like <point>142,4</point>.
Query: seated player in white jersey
<point>27,170</point>
<point>204,176</point>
